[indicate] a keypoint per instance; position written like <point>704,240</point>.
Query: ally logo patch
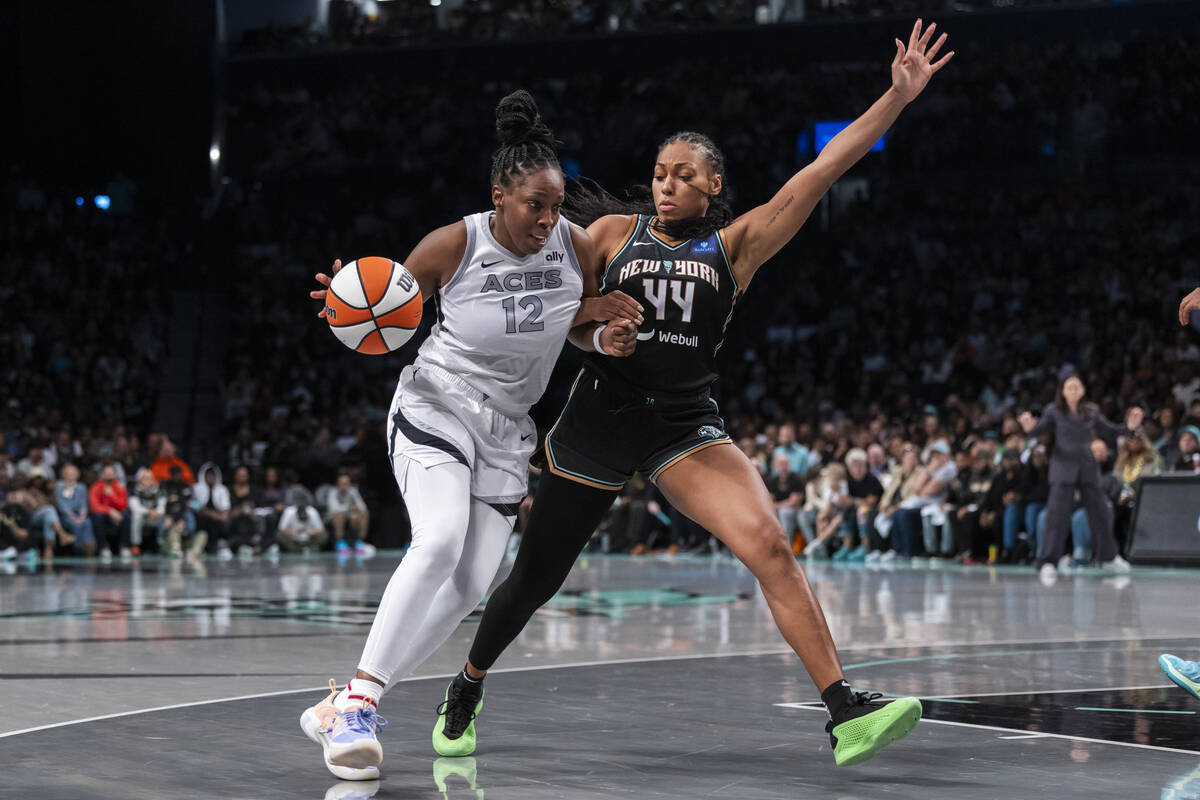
<point>709,432</point>
<point>708,245</point>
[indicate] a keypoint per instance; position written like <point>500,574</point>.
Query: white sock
<point>359,692</point>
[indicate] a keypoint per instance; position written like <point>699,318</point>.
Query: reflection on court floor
<point>646,677</point>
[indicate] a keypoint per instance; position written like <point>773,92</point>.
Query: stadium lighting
<point>102,201</point>
<point>79,201</point>
<point>214,154</point>
<point>435,3</point>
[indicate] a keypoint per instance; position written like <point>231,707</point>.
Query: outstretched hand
<point>911,68</point>
<point>324,280</point>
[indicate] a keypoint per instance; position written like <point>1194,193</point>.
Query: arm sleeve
<point>1046,423</point>
<point>1108,426</point>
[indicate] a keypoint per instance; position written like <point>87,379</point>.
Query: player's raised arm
<point>760,233</point>
<point>432,262</point>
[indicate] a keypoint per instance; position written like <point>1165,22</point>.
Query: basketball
<point>373,305</point>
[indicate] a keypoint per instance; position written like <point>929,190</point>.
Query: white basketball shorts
<point>436,417</point>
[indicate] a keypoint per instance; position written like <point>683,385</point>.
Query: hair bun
<point>518,121</point>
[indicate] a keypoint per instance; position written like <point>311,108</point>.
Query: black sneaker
<point>454,733</point>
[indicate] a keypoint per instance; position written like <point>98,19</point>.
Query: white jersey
<point>503,318</point>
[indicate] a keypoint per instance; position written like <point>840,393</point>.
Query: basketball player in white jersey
<point>508,284</point>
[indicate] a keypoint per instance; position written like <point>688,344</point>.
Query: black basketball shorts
<point>608,432</point>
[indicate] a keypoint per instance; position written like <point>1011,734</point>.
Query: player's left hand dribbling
<point>324,280</point>
<point>619,338</point>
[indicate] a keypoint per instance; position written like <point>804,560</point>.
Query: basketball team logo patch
<point>709,432</point>
<point>708,245</point>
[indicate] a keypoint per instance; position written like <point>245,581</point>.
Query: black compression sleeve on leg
<point>563,517</point>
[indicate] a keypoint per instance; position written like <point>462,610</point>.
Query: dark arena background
<point>177,173</point>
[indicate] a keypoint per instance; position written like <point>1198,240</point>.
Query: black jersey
<point>687,292</point>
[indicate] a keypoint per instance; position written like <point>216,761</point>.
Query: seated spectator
<point>271,499</point>
<point>36,464</point>
<point>44,517</point>
<point>832,501</point>
<point>71,498</point>
<point>877,462</point>
<point>167,459</point>
<point>973,510</point>
<point>15,537</point>
<point>813,503</point>
<point>905,478</point>
<point>210,501</point>
<point>932,493</point>
<point>750,448</point>
<point>1189,450</point>
<point>865,491</point>
<point>147,510</point>
<point>301,529</point>
<point>1136,458</point>
<point>1035,493</point>
<point>797,454</point>
<point>179,522</point>
<point>347,515</point>
<point>1009,484</point>
<point>787,490</point>
<point>246,525</point>
<point>107,501</point>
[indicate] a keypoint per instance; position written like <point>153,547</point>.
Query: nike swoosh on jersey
<point>485,264</point>
<point>647,336</point>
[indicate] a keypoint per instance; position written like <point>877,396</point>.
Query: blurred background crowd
<point>1033,216</point>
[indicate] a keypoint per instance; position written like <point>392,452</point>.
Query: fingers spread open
<point>915,36</point>
<point>933,51</point>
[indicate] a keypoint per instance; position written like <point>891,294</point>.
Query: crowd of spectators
<point>1027,220</point>
<point>103,498</point>
<point>353,24</point>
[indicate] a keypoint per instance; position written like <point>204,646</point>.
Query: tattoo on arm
<point>780,210</point>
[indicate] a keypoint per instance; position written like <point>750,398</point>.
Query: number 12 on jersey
<point>531,323</point>
<point>682,292</point>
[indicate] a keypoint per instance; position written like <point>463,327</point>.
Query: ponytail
<point>526,142</point>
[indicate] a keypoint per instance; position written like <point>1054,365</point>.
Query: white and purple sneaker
<point>347,737</point>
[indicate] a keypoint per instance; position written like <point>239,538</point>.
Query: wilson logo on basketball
<point>373,305</point>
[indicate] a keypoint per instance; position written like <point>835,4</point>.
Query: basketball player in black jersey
<point>686,261</point>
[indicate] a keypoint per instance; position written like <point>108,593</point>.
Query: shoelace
<point>459,711</point>
<point>866,698</point>
<point>360,720</point>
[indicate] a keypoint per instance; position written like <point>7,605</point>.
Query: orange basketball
<point>373,305</point>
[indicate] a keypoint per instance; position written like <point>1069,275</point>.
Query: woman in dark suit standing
<point>1073,424</point>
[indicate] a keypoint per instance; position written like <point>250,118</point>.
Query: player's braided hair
<point>586,205</point>
<point>526,143</point>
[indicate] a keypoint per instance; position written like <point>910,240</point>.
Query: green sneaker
<point>454,733</point>
<point>872,726</point>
